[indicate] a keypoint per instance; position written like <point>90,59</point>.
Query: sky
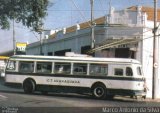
<point>65,13</point>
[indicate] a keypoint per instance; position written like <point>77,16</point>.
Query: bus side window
<point>62,68</point>
<point>26,67</point>
<point>129,71</point>
<point>139,71</point>
<point>44,67</point>
<point>80,69</point>
<point>118,71</point>
<point>98,69</point>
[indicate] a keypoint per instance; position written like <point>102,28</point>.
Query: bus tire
<point>99,91</point>
<point>29,86</point>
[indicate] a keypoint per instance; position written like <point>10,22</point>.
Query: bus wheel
<point>28,86</point>
<point>99,91</point>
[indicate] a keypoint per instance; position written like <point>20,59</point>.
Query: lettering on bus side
<point>62,81</point>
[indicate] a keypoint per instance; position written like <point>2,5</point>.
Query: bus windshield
<point>11,66</point>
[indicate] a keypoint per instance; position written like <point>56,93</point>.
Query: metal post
<point>14,40</point>
<point>155,55</point>
<point>40,43</point>
<point>92,25</point>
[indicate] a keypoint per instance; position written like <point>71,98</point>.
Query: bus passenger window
<point>139,71</point>
<point>129,71</point>
<point>26,67</point>
<point>80,69</point>
<point>44,67</point>
<point>98,69</point>
<point>11,65</point>
<point>62,68</point>
<point>118,71</point>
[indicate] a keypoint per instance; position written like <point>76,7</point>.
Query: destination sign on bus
<point>63,81</point>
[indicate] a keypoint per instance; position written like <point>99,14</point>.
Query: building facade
<point>126,33</point>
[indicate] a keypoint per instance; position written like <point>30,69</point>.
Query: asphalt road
<point>15,100</point>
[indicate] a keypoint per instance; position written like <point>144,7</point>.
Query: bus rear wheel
<point>29,86</point>
<point>99,91</point>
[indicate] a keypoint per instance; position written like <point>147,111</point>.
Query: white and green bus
<point>101,77</point>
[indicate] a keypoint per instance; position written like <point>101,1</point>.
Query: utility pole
<point>39,29</point>
<point>92,25</point>
<point>40,42</point>
<point>40,32</point>
<point>155,55</point>
<point>14,40</point>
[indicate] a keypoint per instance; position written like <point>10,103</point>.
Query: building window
<point>85,49</point>
<point>122,53</point>
<point>50,54</point>
<point>62,52</point>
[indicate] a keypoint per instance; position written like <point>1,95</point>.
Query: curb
<point>127,99</point>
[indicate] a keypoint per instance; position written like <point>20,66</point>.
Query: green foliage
<point>28,12</point>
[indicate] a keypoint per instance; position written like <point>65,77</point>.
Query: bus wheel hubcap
<point>99,91</point>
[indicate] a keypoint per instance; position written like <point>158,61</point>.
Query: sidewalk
<point>127,98</point>
<point>152,100</point>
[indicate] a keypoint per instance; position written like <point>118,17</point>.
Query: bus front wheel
<point>28,86</point>
<point>99,91</point>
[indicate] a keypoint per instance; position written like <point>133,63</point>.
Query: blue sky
<point>69,12</point>
<point>64,13</point>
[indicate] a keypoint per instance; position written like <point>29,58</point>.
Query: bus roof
<point>91,59</point>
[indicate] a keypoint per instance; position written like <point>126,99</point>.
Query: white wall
<point>147,58</point>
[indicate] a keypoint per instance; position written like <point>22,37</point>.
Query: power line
<point>76,10</point>
<point>117,43</point>
<point>101,7</point>
<point>35,35</point>
<point>82,16</point>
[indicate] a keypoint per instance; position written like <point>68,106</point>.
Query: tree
<point>28,12</point>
